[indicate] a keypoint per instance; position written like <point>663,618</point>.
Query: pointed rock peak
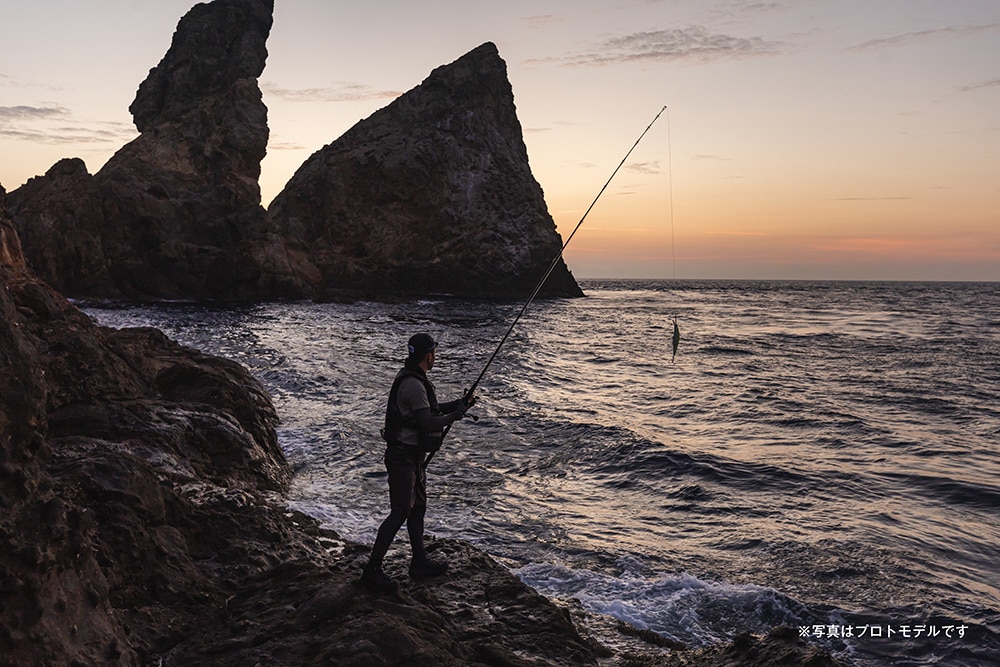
<point>484,59</point>
<point>216,45</point>
<point>475,82</point>
<point>431,194</point>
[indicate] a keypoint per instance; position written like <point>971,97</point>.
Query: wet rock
<point>779,647</point>
<point>431,194</point>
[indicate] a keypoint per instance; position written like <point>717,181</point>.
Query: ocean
<point>824,455</point>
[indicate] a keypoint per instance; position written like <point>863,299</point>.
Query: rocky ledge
<point>144,523</point>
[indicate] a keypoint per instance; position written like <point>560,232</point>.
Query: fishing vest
<point>395,420</point>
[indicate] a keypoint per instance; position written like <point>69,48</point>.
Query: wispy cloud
<point>23,113</point>
<point>285,146</point>
<point>542,20</point>
<point>920,35</point>
<point>695,43</point>
<point>733,7</point>
<point>872,198</point>
<point>68,135</point>
<point>48,125</point>
<point>644,167</point>
<point>730,232</point>
<point>995,83</point>
<point>340,92</point>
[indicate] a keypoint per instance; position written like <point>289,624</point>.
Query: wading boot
<point>374,578</point>
<point>425,567</point>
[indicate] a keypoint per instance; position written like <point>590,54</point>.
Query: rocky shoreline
<point>145,523</point>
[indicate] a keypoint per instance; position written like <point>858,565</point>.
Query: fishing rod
<point>555,262</point>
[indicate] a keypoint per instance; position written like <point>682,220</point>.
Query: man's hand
<point>459,411</point>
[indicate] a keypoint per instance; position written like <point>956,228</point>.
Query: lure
<point>677,339</point>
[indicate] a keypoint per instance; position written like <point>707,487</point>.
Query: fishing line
<point>676,338</point>
<point>555,261</point>
<point>670,185</point>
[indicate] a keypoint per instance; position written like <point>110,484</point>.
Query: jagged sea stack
<point>176,213</point>
<point>431,194</point>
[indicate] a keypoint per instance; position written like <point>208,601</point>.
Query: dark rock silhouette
<point>176,213</point>
<point>432,193</point>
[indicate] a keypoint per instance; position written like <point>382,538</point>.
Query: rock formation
<point>432,193</point>
<point>176,213</point>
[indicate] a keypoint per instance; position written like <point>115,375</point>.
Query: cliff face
<point>99,432</point>
<point>176,213</point>
<point>433,193</point>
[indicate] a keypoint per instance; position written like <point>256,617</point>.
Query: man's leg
<point>402,485</point>
<point>421,566</point>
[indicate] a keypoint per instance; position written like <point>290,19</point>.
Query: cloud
<point>38,125</point>
<point>695,43</point>
<point>872,198</point>
<point>920,35</point>
<point>542,20</point>
<point>341,92</point>
<point>995,83</point>
<point>285,146</point>
<point>25,113</point>
<point>68,135</point>
<point>730,232</point>
<point>728,9</point>
<point>644,167</point>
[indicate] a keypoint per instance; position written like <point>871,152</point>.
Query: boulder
<point>176,213</point>
<point>431,194</point>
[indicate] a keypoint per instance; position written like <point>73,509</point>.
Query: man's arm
<point>428,423</point>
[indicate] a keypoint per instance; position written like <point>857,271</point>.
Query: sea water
<point>824,455</point>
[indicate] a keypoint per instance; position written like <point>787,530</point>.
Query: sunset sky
<point>811,139</point>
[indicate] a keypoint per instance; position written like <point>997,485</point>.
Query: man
<point>414,425</point>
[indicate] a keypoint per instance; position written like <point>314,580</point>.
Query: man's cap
<point>421,344</point>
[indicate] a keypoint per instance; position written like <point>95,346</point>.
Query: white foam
<point>679,606</point>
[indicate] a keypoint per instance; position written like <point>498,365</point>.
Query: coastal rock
<point>101,432</point>
<point>61,215</point>
<point>143,520</point>
<point>176,213</point>
<point>144,523</point>
<point>431,194</point>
